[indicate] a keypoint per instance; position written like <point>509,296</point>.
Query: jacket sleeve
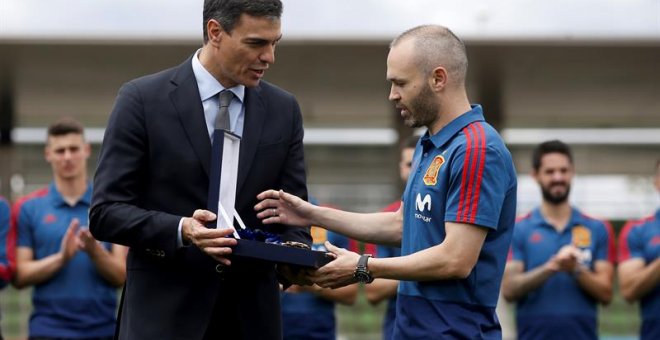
<point>116,215</point>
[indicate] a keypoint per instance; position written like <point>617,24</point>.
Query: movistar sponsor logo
<point>422,205</point>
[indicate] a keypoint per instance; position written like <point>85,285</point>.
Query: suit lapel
<point>255,114</point>
<point>185,98</point>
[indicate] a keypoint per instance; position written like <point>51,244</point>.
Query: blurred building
<point>586,72</point>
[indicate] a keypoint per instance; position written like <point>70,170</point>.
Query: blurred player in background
<point>7,246</point>
<point>639,267</point>
<point>561,261</point>
<point>75,276</point>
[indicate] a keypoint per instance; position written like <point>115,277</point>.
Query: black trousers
<point>224,323</point>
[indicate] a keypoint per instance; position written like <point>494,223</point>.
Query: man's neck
<point>452,107</point>
<point>71,189</point>
<point>558,215</point>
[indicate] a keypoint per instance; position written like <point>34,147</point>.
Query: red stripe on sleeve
<point>480,172</point>
<point>471,185</point>
<point>611,243</point>
<point>370,248</point>
<point>353,245</point>
<point>7,272</point>
<point>466,164</point>
<point>523,217</point>
<point>473,166</point>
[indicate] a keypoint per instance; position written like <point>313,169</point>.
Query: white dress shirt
<point>209,87</point>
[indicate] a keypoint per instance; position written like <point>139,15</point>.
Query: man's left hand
<point>295,275</point>
<point>339,272</point>
<point>87,242</point>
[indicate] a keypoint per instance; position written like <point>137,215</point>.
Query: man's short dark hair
<point>227,12</point>
<point>551,146</point>
<point>65,126</point>
<point>435,46</point>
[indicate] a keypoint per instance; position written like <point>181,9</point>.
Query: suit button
<point>219,268</point>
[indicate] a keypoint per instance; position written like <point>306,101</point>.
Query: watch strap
<point>362,262</point>
<point>362,273</point>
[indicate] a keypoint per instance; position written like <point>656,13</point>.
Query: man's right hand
<point>214,242</point>
<point>566,259</point>
<point>70,242</point>
<point>281,207</point>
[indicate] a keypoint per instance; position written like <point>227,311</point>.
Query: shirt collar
<point>538,219</point>
<point>451,129</point>
<point>58,200</point>
<point>207,84</point>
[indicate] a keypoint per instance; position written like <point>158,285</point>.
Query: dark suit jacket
<point>154,169</point>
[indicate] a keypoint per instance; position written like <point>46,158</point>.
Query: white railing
<point>388,136</point>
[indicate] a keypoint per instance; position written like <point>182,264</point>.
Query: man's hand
<point>296,275</point>
<point>339,272</point>
<point>214,242</point>
<point>87,242</point>
<point>567,258</point>
<point>284,208</point>
<point>70,242</point>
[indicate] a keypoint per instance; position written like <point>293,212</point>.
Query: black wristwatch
<point>362,273</point>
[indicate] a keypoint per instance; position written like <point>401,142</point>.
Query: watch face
<point>363,277</point>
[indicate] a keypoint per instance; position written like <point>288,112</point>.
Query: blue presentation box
<point>229,143</point>
<point>281,254</point>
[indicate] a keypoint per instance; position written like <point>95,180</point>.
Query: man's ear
<point>87,148</point>
<point>214,31</point>
<point>438,79</point>
<point>47,153</point>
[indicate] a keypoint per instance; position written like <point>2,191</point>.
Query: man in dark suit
<point>152,182</point>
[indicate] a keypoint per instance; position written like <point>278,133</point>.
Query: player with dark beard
<point>561,261</point>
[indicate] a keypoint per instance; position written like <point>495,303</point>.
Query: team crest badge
<point>431,176</point>
<point>581,237</point>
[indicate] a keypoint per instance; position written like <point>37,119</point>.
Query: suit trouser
<point>224,323</point>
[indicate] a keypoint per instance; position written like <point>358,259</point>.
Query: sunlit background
<point>586,72</point>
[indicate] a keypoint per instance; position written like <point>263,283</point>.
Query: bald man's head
<point>437,46</point>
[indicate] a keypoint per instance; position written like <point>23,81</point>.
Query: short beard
<point>555,199</point>
<point>423,109</point>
